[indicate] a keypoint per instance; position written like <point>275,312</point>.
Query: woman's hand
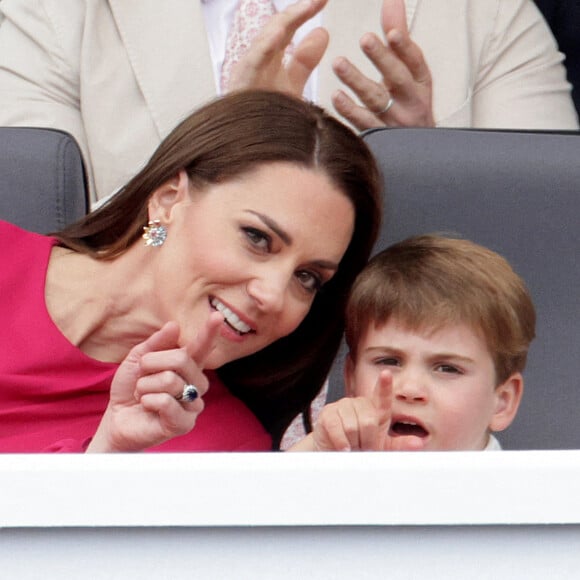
<point>266,66</point>
<point>143,409</point>
<point>404,96</point>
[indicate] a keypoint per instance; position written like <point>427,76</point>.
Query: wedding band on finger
<point>190,393</point>
<point>389,104</point>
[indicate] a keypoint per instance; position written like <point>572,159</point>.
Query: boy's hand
<point>143,410</point>
<point>357,423</point>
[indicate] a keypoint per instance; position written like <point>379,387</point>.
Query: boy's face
<point>444,393</point>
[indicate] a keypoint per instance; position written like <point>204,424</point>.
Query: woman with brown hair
<point>257,211</point>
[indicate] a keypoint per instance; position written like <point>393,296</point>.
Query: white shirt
<point>219,15</point>
<point>493,444</point>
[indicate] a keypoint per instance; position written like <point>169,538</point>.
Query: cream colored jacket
<point>119,74</point>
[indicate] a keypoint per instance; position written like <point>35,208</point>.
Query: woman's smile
<point>231,318</point>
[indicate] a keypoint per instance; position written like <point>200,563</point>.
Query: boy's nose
<point>410,387</point>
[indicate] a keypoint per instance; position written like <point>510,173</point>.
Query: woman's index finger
<point>205,341</point>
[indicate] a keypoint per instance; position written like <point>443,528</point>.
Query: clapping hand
<point>403,96</point>
<point>265,65</point>
<point>144,407</point>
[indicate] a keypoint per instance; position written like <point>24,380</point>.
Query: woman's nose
<point>268,290</point>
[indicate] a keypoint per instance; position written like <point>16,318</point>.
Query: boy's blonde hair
<point>430,281</point>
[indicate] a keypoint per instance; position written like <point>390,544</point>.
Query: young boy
<point>438,331</point>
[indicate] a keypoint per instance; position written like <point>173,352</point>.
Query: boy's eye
<point>389,361</point>
<point>444,368</point>
<point>309,280</point>
<point>258,238</point>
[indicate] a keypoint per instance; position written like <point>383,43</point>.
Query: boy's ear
<point>507,400</point>
<point>167,195</point>
<point>349,376</point>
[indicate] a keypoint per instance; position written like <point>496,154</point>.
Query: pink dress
<point>52,395</point>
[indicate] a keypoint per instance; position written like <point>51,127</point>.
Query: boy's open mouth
<point>406,428</point>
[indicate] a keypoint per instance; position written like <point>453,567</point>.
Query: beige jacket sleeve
<point>521,80</point>
<point>116,75</point>
<point>39,69</point>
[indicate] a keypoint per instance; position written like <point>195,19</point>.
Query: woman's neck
<point>102,307</point>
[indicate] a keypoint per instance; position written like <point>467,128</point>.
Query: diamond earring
<point>154,233</point>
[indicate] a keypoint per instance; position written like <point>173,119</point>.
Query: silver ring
<point>190,393</point>
<point>389,104</point>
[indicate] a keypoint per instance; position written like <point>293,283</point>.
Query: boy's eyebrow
<point>451,355</point>
<point>386,349</point>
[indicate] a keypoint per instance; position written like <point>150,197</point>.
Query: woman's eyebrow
<point>325,265</point>
<point>274,226</point>
<point>287,238</point>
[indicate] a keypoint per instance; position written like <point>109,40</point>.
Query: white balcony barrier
<point>368,515</point>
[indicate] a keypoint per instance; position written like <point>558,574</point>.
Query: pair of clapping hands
<point>403,96</point>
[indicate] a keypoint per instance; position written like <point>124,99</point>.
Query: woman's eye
<point>310,281</point>
<point>443,368</point>
<point>258,239</point>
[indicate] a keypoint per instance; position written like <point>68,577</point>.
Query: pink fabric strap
<point>250,17</point>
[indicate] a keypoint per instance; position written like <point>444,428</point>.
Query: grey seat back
<point>519,194</point>
<point>42,179</point>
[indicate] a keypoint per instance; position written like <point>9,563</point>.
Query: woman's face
<point>257,249</point>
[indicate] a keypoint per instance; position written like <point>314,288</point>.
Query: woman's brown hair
<point>224,139</point>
